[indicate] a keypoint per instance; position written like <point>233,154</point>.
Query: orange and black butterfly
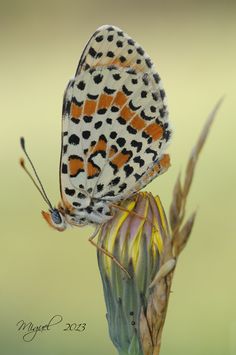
<point>115,130</point>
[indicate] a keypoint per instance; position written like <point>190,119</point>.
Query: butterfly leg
<point>107,252</point>
<point>135,214</point>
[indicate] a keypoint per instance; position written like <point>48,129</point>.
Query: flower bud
<point>136,237</point>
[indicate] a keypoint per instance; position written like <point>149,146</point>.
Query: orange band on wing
<point>138,123</point>
<point>161,166</point>
<point>75,165</point>
<point>75,110</point>
<point>104,101</point>
<point>126,113</point>
<point>111,152</point>
<point>120,99</point>
<point>92,170</point>
<point>121,159</point>
<point>165,161</point>
<point>89,107</point>
<point>118,63</point>
<point>154,130</point>
<point>101,145</point>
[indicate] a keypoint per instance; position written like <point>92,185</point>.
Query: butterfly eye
<point>56,216</point>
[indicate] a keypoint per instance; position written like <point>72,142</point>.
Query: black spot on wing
<point>92,97</point>
<point>128,170</point>
<point>99,38</point>
<point>121,142</point>
<point>98,124</point>
<point>92,70</point>
<point>134,108</point>
<point>121,120</point>
<point>155,96</point>
<point>98,78</point>
<point>66,107</point>
<point>110,54</point>
<point>122,187</point>
<point>115,181</point>
<point>137,145</point>
<point>138,176</point>
<point>110,38</point>
<point>113,135</point>
<point>86,134</point>
<point>69,192</point>
<point>65,147</point>
<point>109,194</point>
<point>76,204</point>
<point>162,112</point>
<point>145,135</point>
<point>75,120</point>
<point>139,161</point>
<point>166,135</point>
<point>126,91</point>
<point>89,209</point>
<point>119,44</point>
<point>146,117</point>
<point>81,195</point>
<point>131,130</point>
<point>64,169</point>
<point>115,109</point>
<point>134,81</point>
<point>109,91</point>
<point>151,151</point>
<point>132,71</point>
<point>116,76</point>
<point>99,55</point>
<point>153,109</point>
<point>145,79</point>
<point>100,187</point>
<point>122,59</point>
<point>143,93</point>
<point>130,41</point>
<point>156,78</point>
<point>102,111</point>
<point>148,62</point>
<point>81,85</point>
<point>163,94</point>
<point>74,139</point>
<point>92,52</point>
<point>75,101</point>
<point>87,119</point>
<point>140,50</point>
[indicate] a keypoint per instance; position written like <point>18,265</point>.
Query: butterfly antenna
<point>22,163</point>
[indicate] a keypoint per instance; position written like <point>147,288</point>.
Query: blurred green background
<point>44,272</point>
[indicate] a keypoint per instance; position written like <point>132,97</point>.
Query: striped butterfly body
<point>115,130</point>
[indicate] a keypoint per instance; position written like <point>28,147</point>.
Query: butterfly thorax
<point>97,212</point>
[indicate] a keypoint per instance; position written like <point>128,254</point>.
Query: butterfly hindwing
<point>115,121</point>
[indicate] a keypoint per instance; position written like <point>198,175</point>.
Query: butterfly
<point>115,130</point>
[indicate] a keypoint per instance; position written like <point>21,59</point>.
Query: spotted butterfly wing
<point>115,125</point>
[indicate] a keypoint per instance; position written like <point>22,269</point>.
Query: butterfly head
<point>55,219</point>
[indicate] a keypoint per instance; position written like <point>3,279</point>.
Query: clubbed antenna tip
<point>22,162</point>
<point>22,142</point>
